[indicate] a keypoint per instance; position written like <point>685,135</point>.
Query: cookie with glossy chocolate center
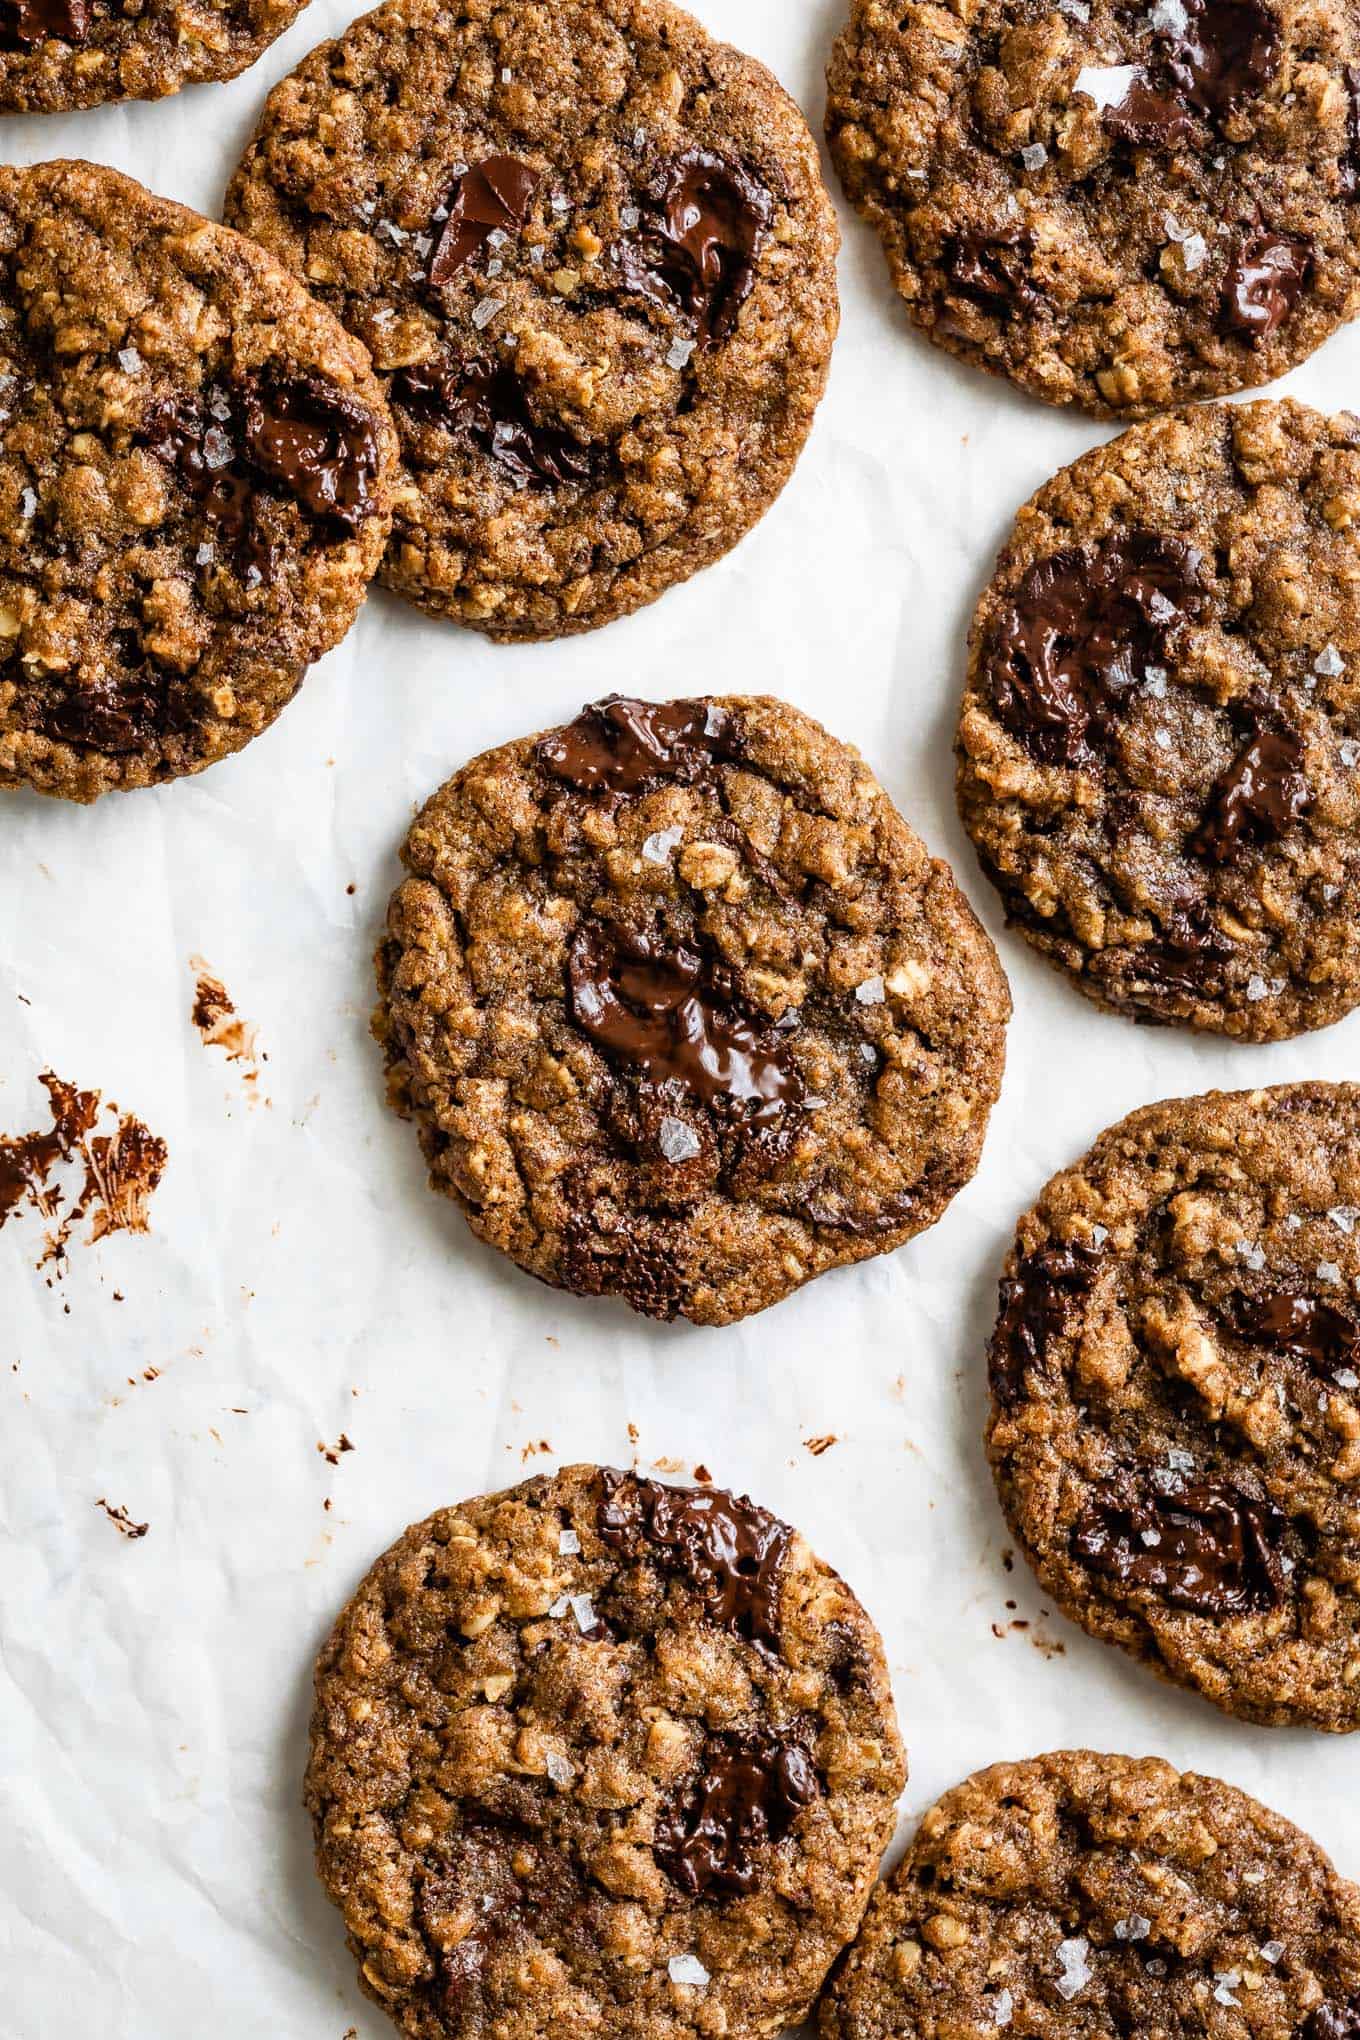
<point>683,1010</point>
<point>591,250</point>
<point>1087,1894</point>
<point>1160,734</point>
<point>1115,206</point>
<point>1175,1380</point>
<point>56,55</point>
<point>598,1755</point>
<point>196,470</point>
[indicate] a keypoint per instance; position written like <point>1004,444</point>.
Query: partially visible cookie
<point>598,1756</point>
<point>196,470</point>
<point>1115,206</point>
<point>1081,1894</point>
<point>1159,743</point>
<point>683,1010</point>
<point>592,252</point>
<point>1175,1379</point>
<point>56,55</point>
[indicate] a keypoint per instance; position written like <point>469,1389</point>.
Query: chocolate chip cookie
<point>601,1756</point>
<point>1117,206</point>
<point>196,471</point>
<point>591,250</point>
<point>56,55</point>
<point>1086,1894</point>
<point>684,1011</point>
<point>1175,1382</point>
<point>1160,734</point>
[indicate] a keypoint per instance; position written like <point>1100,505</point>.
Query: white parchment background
<point>155,1876</point>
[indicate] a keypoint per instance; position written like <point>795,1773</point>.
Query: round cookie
<point>684,1011</point>
<point>56,55</point>
<point>1083,1894</point>
<point>1116,207</point>
<point>599,1756</point>
<point>1160,733</point>
<point>1175,1383</point>
<point>592,251</point>
<point>196,470</point>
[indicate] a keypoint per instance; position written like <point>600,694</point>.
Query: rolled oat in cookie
<point>591,251</point>
<point>1175,1381</point>
<point>1159,742</point>
<point>196,470</point>
<point>1122,206</point>
<point>57,55</point>
<point>1086,1895</point>
<point>683,1010</point>
<point>600,1757</point>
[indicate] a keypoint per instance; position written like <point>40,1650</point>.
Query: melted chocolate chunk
<point>237,446</point>
<point>487,401</point>
<point>1333,2020</point>
<point>1184,960</point>
<point>652,1009</point>
<point>748,1796</point>
<point>1303,1326</point>
<point>1036,1304</point>
<point>492,196</point>
<point>1263,283</point>
<point>1259,795</point>
<point>864,1225</point>
<point>703,221</point>
<point>1080,634</point>
<point>993,269</point>
<point>118,716</point>
<point>1349,177</point>
<point>623,746</point>
<point>319,443</point>
<point>733,1551</point>
<point>1145,115</point>
<point>1228,53</point>
<point>1205,1548</point>
<point>36,21</point>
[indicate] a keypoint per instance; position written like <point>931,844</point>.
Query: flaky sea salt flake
<point>678,1142</point>
<point>559,1770</point>
<point>1226,1981</point>
<point>1076,1970</point>
<point>559,1607</point>
<point>679,352</point>
<point>1329,662</point>
<point>628,217</point>
<point>1194,248</point>
<point>1035,156</point>
<point>687,1969</point>
<point>1168,17</point>
<point>485,310</point>
<point>129,360</point>
<point>658,846</point>
<point>1003,2007</point>
<point>871,993</point>
<point>1328,1271</point>
<point>569,1544</point>
<point>583,1608</point>
<point>1136,1927</point>
<point>1107,84</point>
<point>1272,1951</point>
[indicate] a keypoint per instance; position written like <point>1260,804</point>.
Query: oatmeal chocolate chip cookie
<point>1175,1380</point>
<point>196,470</point>
<point>684,1011</point>
<point>1119,206</point>
<point>1083,1894</point>
<point>598,1756</point>
<point>592,251</point>
<point>1160,734</point>
<point>56,55</point>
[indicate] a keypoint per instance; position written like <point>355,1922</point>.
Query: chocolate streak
<point>487,401</point>
<point>731,1551</point>
<point>1206,1548</point>
<point>652,1009</point>
<point>1260,794</point>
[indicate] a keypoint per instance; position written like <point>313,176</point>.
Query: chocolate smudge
<point>703,221</point>
<point>620,745</point>
<point>490,197</point>
<point>1264,280</point>
<point>487,401</point>
<point>122,1521</point>
<point>746,1799</point>
<point>121,1169</point>
<point>1037,1303</point>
